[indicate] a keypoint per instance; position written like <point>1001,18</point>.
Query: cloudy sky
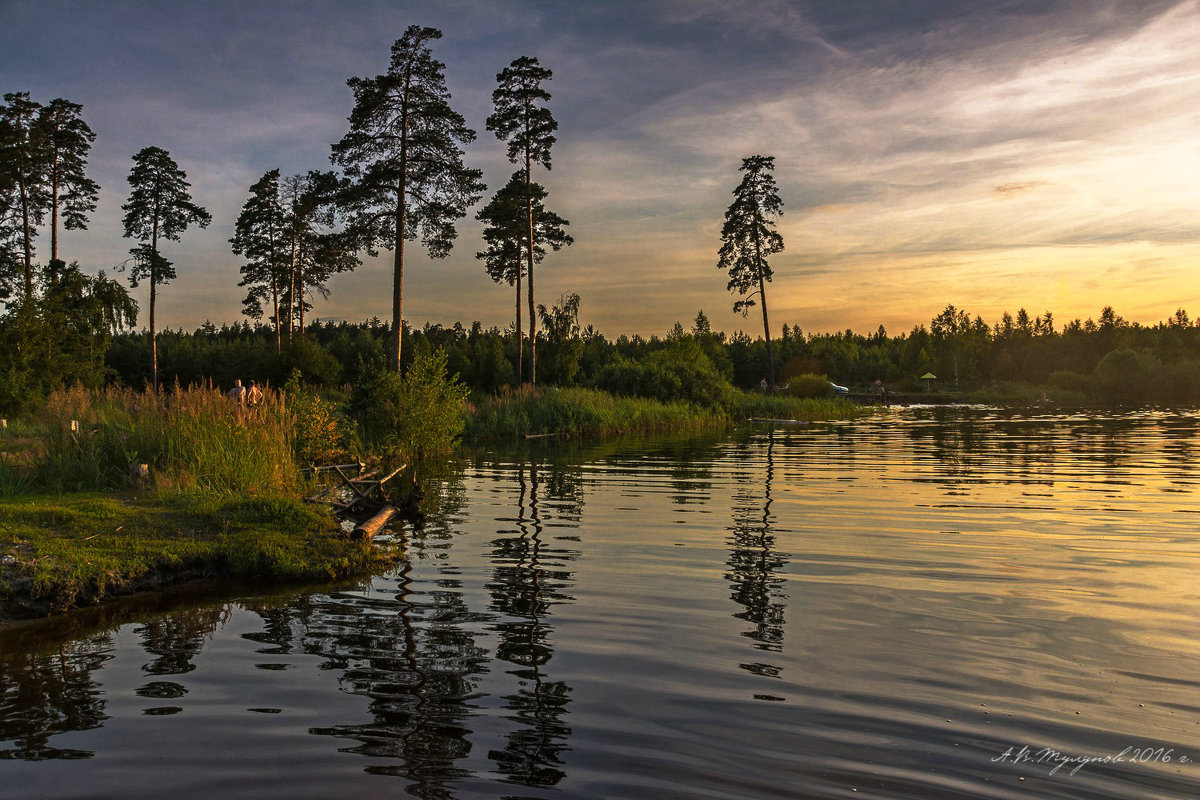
<point>994,154</point>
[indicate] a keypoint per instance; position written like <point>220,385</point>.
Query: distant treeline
<point>1104,360</point>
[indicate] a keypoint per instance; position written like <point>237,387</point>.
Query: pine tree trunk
<point>27,230</point>
<point>762,295</point>
<point>397,284</point>
<point>529,265</point>
<point>520,338</point>
<point>54,208</point>
<point>153,296</point>
<point>291,282</point>
<point>300,290</point>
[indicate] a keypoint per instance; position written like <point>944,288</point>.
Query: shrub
<point>1068,381</point>
<point>809,385</point>
<point>321,435</point>
<point>680,371</point>
<point>417,416</point>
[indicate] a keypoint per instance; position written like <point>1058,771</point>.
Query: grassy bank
<point>221,498</point>
<point>588,412</point>
<point>59,551</point>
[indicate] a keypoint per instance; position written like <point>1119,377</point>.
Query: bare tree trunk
<point>762,295</point>
<point>54,207</point>
<point>529,265</point>
<point>300,289</point>
<point>398,283</point>
<point>520,338</point>
<point>153,296</point>
<point>27,230</point>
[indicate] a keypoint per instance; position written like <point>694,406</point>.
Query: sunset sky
<point>994,155</point>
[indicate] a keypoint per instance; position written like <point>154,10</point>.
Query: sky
<point>991,154</point>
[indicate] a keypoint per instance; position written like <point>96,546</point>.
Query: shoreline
<point>61,552</point>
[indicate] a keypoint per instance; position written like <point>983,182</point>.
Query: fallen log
<point>375,524</point>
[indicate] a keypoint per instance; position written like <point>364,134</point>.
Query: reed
<point>589,412</point>
<point>190,438</point>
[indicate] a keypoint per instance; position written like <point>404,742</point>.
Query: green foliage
<point>808,385</point>
<point>61,338</point>
<point>418,416</point>
<point>321,435</point>
<point>680,371</point>
<point>581,412</point>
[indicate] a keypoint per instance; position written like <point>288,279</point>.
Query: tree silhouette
<point>317,250</point>
<point>67,140</point>
<point>159,206</point>
<point>260,236</point>
<point>22,181</point>
<point>403,156</point>
<point>748,237</point>
<point>521,119</point>
<point>506,230</point>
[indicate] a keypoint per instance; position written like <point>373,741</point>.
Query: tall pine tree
<point>505,219</point>
<point>522,119</point>
<point>403,155</point>
<point>260,235</point>
<point>159,207</point>
<point>67,142</point>
<point>22,179</point>
<point>748,237</point>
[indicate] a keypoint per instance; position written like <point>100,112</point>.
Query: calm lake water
<point>929,603</point>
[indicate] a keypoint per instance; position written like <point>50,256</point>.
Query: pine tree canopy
<point>748,236</point>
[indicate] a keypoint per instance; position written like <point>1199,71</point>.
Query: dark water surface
<point>891,608</point>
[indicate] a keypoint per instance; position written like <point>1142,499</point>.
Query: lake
<point>932,602</point>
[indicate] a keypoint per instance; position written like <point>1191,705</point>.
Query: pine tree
<point>748,237</point>
<point>260,236</point>
<point>506,229</point>
<point>521,118</point>
<point>159,207</point>
<point>22,180</point>
<point>67,141</point>
<point>317,250</point>
<point>403,156</point>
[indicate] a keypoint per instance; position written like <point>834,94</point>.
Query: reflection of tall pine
<point>159,207</point>
<point>522,119</point>
<point>403,157</point>
<point>749,237</point>
<point>505,232</point>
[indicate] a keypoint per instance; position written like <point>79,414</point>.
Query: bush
<point>417,416</point>
<point>1125,375</point>
<point>321,435</point>
<point>1067,381</point>
<point>808,385</point>
<point>680,371</point>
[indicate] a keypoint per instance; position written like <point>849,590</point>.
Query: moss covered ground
<point>60,551</point>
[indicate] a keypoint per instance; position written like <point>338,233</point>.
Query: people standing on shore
<point>254,395</point>
<point>238,393</point>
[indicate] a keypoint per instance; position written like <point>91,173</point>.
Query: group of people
<point>243,397</point>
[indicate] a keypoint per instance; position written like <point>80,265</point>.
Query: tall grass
<point>190,438</point>
<point>591,412</point>
<point>807,409</point>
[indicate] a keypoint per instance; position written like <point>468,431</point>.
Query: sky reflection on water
<point>885,605</point>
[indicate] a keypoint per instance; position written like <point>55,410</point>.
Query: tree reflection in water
<point>48,693</point>
<point>528,578</point>
<point>408,652</point>
<point>755,565</point>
